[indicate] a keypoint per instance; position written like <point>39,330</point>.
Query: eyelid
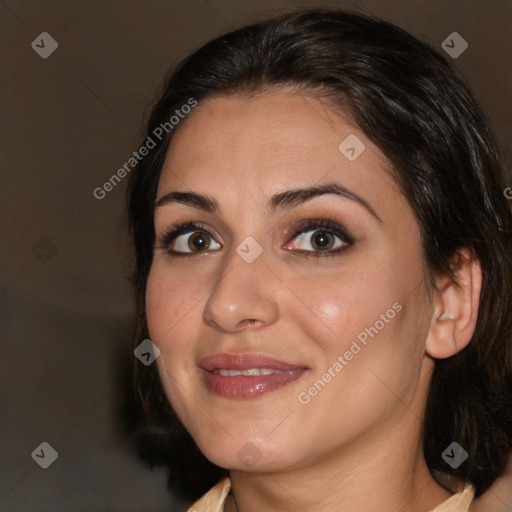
<point>326,225</point>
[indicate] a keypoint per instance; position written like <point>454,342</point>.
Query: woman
<point>323,262</point>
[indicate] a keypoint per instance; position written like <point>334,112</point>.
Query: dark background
<point>69,122</point>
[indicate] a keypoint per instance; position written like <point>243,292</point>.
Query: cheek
<point>366,309</point>
<point>169,304</point>
<point>333,309</point>
<point>171,312</point>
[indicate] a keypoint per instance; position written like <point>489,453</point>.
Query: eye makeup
<point>323,228</point>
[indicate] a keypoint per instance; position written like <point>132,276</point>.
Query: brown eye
<point>198,241</point>
<point>322,240</point>
<point>315,240</point>
<point>189,240</point>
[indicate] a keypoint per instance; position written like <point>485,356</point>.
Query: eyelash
<point>319,225</point>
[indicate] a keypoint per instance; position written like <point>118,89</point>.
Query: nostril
<point>212,323</point>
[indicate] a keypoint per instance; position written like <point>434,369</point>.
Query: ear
<point>455,307</point>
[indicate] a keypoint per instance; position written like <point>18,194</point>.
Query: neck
<point>319,492</point>
<point>369,474</point>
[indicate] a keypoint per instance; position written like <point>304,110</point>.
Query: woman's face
<point>319,296</point>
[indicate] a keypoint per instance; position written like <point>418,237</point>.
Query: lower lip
<point>249,386</point>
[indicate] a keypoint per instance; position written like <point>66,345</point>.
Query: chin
<point>241,454</point>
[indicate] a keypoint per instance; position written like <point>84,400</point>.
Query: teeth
<point>248,372</point>
<point>230,373</point>
<point>252,371</point>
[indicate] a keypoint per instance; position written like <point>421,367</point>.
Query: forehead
<point>271,142</point>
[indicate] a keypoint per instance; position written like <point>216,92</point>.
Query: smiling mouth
<point>243,375</point>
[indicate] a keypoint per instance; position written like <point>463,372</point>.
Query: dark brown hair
<point>414,105</point>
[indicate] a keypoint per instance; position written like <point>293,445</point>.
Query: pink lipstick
<point>247,375</point>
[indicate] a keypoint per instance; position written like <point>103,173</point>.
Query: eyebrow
<point>281,201</point>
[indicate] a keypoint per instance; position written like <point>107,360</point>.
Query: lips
<point>222,361</point>
<point>247,375</point>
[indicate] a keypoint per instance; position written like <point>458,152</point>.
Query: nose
<point>244,296</point>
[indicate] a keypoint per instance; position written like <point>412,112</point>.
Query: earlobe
<point>455,307</point>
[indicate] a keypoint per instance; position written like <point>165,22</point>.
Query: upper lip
<point>245,361</point>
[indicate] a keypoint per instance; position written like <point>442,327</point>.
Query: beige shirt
<point>214,499</point>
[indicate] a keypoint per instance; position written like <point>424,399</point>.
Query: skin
<point>363,430</point>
